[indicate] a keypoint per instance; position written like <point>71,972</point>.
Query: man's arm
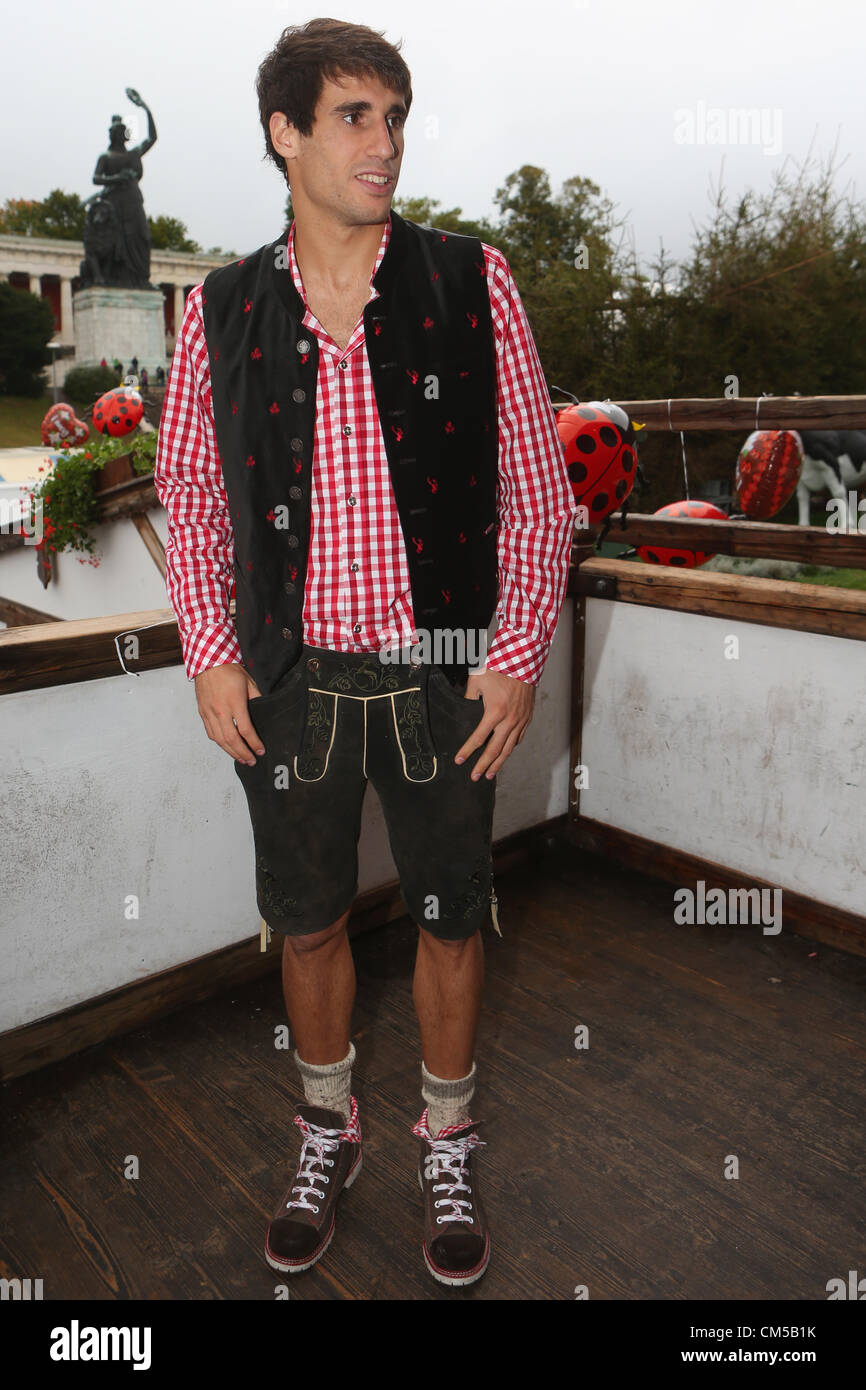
<point>536,521</point>
<point>536,503</point>
<point>199,572</point>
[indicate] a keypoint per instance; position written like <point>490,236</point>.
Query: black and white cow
<point>834,460</point>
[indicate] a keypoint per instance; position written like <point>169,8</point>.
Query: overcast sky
<point>621,92</point>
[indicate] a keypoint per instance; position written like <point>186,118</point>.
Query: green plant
<point>84,385</point>
<point>70,508</point>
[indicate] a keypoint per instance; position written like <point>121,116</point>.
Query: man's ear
<point>283,134</point>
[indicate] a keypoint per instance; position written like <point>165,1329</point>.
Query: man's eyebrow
<point>396,108</point>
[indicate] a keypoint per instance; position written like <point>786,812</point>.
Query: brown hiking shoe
<point>456,1238</point>
<point>302,1226</point>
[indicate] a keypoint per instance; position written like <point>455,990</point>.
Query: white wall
<point>112,788</point>
<point>126,580</point>
<point>756,763</point>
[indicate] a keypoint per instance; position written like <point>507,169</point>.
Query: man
<point>357,433</point>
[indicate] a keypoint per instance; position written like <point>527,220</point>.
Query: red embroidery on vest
<point>274,409</point>
<point>251,463</point>
<point>249,564</point>
<point>463,375</point>
<point>299,463</point>
<point>377,330</point>
<point>473,320</point>
<point>428,322</point>
<point>418,544</point>
<point>461,538</point>
<point>449,426</point>
<point>256,354</point>
<point>268,618</point>
<point>473,481</point>
<point>305,357</point>
<point>412,375</point>
<point>443,238</point>
<point>293,572</point>
<point>242,259</point>
<point>271,515</point>
<point>432,483</point>
<point>248,304</point>
<point>436,275</point>
<point>397,432</point>
<point>446,594</point>
<point>234,407</point>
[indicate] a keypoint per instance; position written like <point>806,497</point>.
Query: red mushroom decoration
<point>118,411</point>
<point>61,426</point>
<point>768,471</point>
<point>686,559</point>
<point>600,456</point>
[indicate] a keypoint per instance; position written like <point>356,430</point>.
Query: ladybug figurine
<point>118,412</point>
<point>685,559</point>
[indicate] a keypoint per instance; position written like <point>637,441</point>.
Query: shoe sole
<point>449,1276</point>
<point>297,1267</point>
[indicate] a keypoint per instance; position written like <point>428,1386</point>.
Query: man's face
<point>349,165</point>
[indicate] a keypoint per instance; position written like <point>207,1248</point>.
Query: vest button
<point>288,634</point>
<point>297,444</point>
<point>298,394</point>
<point>292,542</point>
<point>289,587</point>
<point>303,345</point>
<point>295,493</point>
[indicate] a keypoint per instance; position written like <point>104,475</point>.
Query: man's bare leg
<point>319,990</point>
<point>447,988</point>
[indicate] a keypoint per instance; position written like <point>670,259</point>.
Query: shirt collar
<point>296,274</point>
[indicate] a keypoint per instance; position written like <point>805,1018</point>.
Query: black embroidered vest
<point>430,343</point>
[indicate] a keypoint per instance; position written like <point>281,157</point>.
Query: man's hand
<point>222,693</point>
<point>508,708</point>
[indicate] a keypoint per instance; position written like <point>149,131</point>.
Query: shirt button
<point>297,444</point>
<point>352,499</point>
<point>295,493</point>
<point>343,365</point>
<point>303,345</point>
<point>347,429</point>
<point>298,394</point>
<point>288,634</point>
<point>292,542</point>
<point>354,565</point>
<point>357,627</point>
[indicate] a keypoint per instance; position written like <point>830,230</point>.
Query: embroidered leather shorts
<point>337,721</point>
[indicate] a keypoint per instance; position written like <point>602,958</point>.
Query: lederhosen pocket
<point>411,720</point>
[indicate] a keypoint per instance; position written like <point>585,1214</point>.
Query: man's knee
<point>314,941</point>
<point>443,945</point>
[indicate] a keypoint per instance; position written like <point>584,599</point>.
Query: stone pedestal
<point>112,322</point>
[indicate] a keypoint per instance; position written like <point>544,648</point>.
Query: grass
<point>21,418</point>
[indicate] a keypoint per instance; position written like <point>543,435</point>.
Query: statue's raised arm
<point>151,125</point>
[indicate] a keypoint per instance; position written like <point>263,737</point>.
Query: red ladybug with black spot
<point>118,412</point>
<point>600,454</point>
<point>697,510</point>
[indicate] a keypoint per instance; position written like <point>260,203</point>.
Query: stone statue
<point>116,234</point>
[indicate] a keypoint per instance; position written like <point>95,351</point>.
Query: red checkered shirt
<point>357,571</point>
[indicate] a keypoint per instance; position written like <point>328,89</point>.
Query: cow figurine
<point>835,460</point>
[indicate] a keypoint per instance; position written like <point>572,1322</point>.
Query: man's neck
<point>332,255</point>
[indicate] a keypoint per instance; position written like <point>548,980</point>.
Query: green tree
<point>170,234</point>
<point>26,326</point>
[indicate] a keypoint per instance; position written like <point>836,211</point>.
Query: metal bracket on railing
<point>594,585</point>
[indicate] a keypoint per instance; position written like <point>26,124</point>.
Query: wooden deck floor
<point>604,1167</point>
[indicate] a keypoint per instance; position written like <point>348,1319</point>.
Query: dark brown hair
<point>291,78</point>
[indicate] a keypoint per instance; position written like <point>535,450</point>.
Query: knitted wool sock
<point>447,1101</point>
<point>330,1084</point>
